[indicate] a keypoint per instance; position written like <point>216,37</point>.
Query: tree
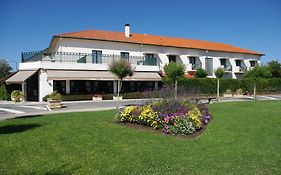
<point>121,68</point>
<point>256,73</point>
<point>5,68</point>
<point>200,73</point>
<point>275,69</point>
<point>219,72</point>
<point>174,71</point>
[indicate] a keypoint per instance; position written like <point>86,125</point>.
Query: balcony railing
<point>85,58</point>
<point>195,66</point>
<point>227,68</point>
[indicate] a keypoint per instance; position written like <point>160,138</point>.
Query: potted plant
<point>239,93</point>
<point>54,100</point>
<point>97,97</point>
<point>16,96</point>
<point>228,93</point>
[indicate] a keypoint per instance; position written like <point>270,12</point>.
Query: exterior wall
<point>45,85</point>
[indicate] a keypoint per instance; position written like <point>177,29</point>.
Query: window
<point>172,58</point>
<point>192,60</point>
<point>59,86</point>
<point>253,63</point>
<point>150,60</point>
<point>238,63</point>
<point>96,56</point>
<point>223,62</point>
<point>125,55</point>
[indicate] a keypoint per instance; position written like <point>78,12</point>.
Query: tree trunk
<point>218,89</point>
<point>119,84</point>
<point>255,89</point>
<point>176,89</point>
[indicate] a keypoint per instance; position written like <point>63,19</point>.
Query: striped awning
<point>99,75</point>
<point>20,76</point>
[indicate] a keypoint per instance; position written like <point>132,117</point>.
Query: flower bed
<point>170,116</point>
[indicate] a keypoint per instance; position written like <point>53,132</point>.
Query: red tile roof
<point>155,40</point>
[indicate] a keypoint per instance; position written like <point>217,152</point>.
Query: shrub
<point>4,95</point>
<point>54,96</point>
<point>239,91</point>
<point>17,96</point>
<point>107,97</point>
<point>200,73</point>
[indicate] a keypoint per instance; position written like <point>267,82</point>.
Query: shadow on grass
<point>26,116</point>
<point>10,129</point>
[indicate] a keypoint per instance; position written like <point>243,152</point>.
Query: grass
<point>244,138</point>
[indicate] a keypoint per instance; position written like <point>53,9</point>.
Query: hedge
<point>209,85</point>
<point>4,94</point>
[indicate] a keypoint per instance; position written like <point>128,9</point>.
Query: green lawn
<point>244,138</point>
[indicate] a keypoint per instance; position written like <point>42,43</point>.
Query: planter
<point>116,98</point>
<point>97,98</point>
<point>54,104</point>
<point>238,95</point>
<point>227,95</point>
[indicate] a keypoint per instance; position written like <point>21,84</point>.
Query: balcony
<point>227,68</point>
<point>80,58</point>
<point>239,69</point>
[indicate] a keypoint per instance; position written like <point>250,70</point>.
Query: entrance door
<point>209,66</point>
<point>32,88</point>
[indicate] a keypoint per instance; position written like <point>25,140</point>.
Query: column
<point>67,86</point>
<point>156,85</point>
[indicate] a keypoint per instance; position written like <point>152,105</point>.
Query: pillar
<point>67,86</point>
<point>156,85</point>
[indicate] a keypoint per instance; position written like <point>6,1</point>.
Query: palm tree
<point>256,73</point>
<point>219,72</point>
<point>174,71</point>
<point>121,68</point>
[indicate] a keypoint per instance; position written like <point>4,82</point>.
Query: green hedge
<point>4,94</point>
<point>209,85</point>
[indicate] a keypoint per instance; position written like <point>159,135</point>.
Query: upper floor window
<point>223,62</point>
<point>150,59</point>
<point>97,56</point>
<point>172,58</point>
<point>192,60</point>
<point>253,63</point>
<point>125,55</point>
<point>238,63</point>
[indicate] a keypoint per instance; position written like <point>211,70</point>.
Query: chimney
<point>127,30</point>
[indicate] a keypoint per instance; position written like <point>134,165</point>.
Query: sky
<point>28,25</point>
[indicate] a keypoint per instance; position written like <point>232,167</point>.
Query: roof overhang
<point>20,76</point>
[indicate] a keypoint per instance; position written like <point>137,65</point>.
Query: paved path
<point>10,110</point>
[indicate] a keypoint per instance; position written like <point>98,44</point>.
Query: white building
<point>77,63</point>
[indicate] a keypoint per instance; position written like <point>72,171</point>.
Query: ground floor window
<point>91,87</point>
<point>138,86</point>
<point>59,86</point>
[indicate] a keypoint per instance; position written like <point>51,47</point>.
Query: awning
<point>99,75</point>
<point>20,76</point>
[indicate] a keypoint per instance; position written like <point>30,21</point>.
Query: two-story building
<point>77,62</point>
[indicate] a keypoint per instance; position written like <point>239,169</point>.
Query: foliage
<point>4,95</point>
<point>275,68</point>
<point>208,86</point>
<point>55,96</point>
<point>174,116</point>
<point>200,73</point>
<point>17,96</point>
<point>258,72</point>
<point>174,71</point>
<point>121,68</point>
<point>5,68</point>
<point>219,72</point>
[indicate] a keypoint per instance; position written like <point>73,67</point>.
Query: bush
<point>54,96</point>
<point>4,95</point>
<point>228,91</point>
<point>239,91</point>
<point>107,97</point>
<point>16,96</point>
<point>200,73</point>
<point>70,97</point>
<point>183,126</point>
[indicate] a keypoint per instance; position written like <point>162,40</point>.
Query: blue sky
<point>254,24</point>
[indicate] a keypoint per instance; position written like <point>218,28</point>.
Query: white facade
<point>162,53</point>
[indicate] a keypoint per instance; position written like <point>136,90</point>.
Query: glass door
<point>97,56</point>
<point>209,66</point>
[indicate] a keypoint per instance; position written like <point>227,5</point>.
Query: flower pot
<point>227,95</point>
<point>116,98</point>
<point>54,104</point>
<point>97,98</point>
